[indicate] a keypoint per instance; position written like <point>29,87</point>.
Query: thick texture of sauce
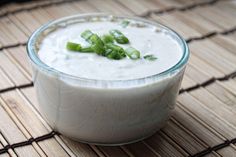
<point>147,40</point>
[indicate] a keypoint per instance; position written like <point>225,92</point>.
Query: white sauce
<point>107,115</point>
<point>146,39</point>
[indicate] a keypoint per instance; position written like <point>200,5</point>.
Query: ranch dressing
<point>106,107</point>
<point>145,38</point>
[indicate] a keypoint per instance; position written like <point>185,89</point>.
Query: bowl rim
<point>32,52</point>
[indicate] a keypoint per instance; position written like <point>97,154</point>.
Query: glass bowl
<point>104,112</point>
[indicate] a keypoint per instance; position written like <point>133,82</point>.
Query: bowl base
<point>113,144</point>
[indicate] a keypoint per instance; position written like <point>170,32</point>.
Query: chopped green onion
<point>97,44</point>
<point>114,51</point>
<point>87,49</point>
<point>114,55</point>
<point>73,46</point>
<point>107,38</point>
<point>117,48</point>
<point>105,46</point>
<point>114,47</point>
<point>125,23</point>
<point>86,34</point>
<point>108,51</point>
<point>77,47</point>
<point>132,53</point>
<point>150,57</point>
<point>119,37</point>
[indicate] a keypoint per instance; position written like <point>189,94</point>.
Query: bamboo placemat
<point>204,121</point>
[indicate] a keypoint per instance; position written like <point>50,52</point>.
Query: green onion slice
<point>107,38</point>
<point>114,51</point>
<point>73,46</point>
<point>150,57</point>
<point>97,44</point>
<point>87,49</point>
<point>115,55</point>
<point>119,37</point>
<point>132,53</point>
<point>86,34</point>
<point>125,23</point>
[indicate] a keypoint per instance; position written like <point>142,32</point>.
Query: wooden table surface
<point>204,120</point>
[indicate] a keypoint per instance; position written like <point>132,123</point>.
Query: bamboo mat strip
<point>198,129</point>
<point>17,87</point>
<point>19,24</point>
<point>183,137</point>
<point>10,128</point>
<point>13,45</point>
<point>17,104</point>
<point>183,8</point>
<point>12,30</point>
<point>28,8</point>
<point>203,111</point>
<point>12,71</point>
<point>27,142</point>
<point>225,32</point>
<point>216,59</point>
<point>210,81</point>
<point>178,126</point>
<point>20,58</point>
<point>148,13</point>
<point>223,94</point>
<point>210,137</point>
<point>226,20</point>
<point>166,142</point>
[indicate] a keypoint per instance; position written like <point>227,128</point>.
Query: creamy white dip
<point>109,115</point>
<point>144,38</point>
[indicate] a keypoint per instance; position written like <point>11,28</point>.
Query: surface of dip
<point>147,39</point>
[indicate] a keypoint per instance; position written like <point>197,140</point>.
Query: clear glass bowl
<point>105,112</point>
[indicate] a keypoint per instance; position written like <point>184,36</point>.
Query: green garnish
<point>119,37</point>
<point>150,57</point>
<point>132,53</point>
<point>77,47</point>
<point>114,55</point>
<point>86,34</point>
<point>105,46</point>
<point>97,44</point>
<point>114,51</point>
<point>114,47</point>
<point>125,23</point>
<point>87,49</point>
<point>107,38</point>
<point>73,46</point>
